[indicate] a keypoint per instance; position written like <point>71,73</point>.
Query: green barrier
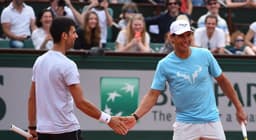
<point>121,61</point>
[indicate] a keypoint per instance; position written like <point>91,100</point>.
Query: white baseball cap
<point>179,27</point>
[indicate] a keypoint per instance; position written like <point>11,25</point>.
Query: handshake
<point>122,124</point>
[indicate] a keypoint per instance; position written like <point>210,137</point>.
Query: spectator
<point>213,7</point>
<point>18,21</point>
<point>186,6</point>
<point>41,36</point>
<point>237,3</point>
<point>128,10</point>
<point>134,38</point>
<point>89,35</point>
<point>120,1</point>
<point>59,8</point>
<point>104,14</point>
<point>159,25</point>
<point>210,37</point>
<point>168,46</point>
<point>198,3</point>
<point>238,46</point>
<point>251,36</point>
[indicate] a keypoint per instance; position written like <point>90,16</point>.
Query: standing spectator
<point>59,8</point>
<point>134,38</point>
<point>251,36</point>
<point>238,46</point>
<point>18,21</point>
<point>41,36</point>
<point>210,37</point>
<point>237,3</point>
<point>55,88</point>
<point>89,35</point>
<point>158,26</point>
<point>128,10</point>
<point>189,73</point>
<point>213,7</point>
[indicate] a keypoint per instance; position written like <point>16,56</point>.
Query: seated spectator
<point>213,7</point>
<point>134,38</point>
<point>159,25</point>
<point>120,1</point>
<point>101,7</point>
<point>41,36</point>
<point>128,10</point>
<point>89,35</point>
<point>251,36</point>
<point>238,46</point>
<point>210,37</point>
<point>18,20</point>
<point>168,46</point>
<point>198,3</point>
<point>237,3</point>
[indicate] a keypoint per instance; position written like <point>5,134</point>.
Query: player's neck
<point>59,48</point>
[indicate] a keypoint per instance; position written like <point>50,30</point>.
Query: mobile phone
<point>137,35</point>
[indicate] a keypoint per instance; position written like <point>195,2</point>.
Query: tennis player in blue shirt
<point>189,72</point>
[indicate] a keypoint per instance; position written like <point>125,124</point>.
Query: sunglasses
<point>239,40</point>
<point>212,3</point>
<point>172,3</point>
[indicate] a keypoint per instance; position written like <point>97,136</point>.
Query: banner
<point>119,92</point>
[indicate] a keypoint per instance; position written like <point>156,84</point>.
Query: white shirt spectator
<point>216,41</point>
<point>38,37</point>
<point>253,28</point>
<point>20,22</point>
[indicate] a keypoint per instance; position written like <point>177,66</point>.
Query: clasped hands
<point>121,125</point>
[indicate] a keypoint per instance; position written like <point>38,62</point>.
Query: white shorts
<point>203,131</point>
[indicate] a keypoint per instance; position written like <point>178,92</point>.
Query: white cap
<point>179,27</point>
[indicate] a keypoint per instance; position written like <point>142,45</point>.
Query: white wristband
<point>104,117</point>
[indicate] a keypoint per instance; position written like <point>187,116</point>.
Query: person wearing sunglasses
<point>238,46</point>
<point>159,25</point>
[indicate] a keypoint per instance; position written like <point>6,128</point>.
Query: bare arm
<point>91,110</point>
<point>7,31</point>
<point>248,37</point>
<point>32,108</point>
<point>78,16</point>
<point>231,4</point>
<point>147,102</point>
<point>229,91</point>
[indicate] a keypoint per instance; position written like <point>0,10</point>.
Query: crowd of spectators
<point>136,32</point>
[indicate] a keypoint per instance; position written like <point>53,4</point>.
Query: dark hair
<point>59,25</point>
<point>211,16</point>
<point>167,2</point>
<point>39,16</point>
<point>61,3</point>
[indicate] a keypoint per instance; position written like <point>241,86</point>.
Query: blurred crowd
<point>136,32</point>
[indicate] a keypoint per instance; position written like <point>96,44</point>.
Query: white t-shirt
<point>38,37</point>
<point>216,41</point>
<point>253,28</point>
<point>20,22</point>
<point>122,40</point>
<point>53,72</point>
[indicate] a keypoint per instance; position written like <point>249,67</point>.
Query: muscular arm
<point>148,101</point>
<point>229,91</point>
<point>84,105</point>
<point>32,105</point>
